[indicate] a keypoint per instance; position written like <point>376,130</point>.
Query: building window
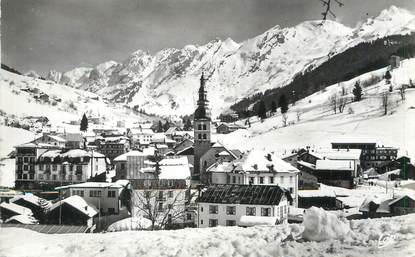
<point>204,126</point>
<point>204,136</point>
<point>271,180</point>
<point>19,159</point>
<point>261,180</point>
<point>95,193</point>
<point>213,209</point>
<point>250,211</point>
<point>25,167</point>
<point>160,207</point>
<point>234,179</point>
<point>230,210</point>
<point>78,168</point>
<point>32,159</point>
<point>31,176</point>
<point>291,179</point>
<point>199,127</point>
<point>201,209</point>
<point>54,167</point>
<point>170,194</point>
<point>24,176</point>
<point>213,222</point>
<point>189,216</point>
<point>266,212</point>
<point>291,190</point>
<point>201,222</point>
<point>25,159</point>
<point>54,177</point>
<point>251,180</point>
<point>40,166</point>
<point>79,192</point>
<point>199,136</point>
<point>111,194</point>
<point>230,223</point>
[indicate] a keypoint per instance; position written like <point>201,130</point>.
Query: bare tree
<point>284,119</point>
<point>333,102</point>
<point>162,210</point>
<point>342,102</point>
<point>298,115</point>
<point>385,102</point>
<point>402,92</point>
<point>328,8</point>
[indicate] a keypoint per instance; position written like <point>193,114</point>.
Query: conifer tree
<point>283,104</point>
<point>84,123</point>
<point>273,107</point>
<point>262,111</point>
<point>357,91</point>
<point>160,126</point>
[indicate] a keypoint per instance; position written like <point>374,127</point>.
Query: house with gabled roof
<point>232,205</point>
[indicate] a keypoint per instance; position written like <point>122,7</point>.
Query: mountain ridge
<point>166,83</point>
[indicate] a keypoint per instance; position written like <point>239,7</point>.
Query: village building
<point>129,164</point>
<point>55,167</point>
<point>232,205</point>
<point>140,137</point>
<point>335,173</point>
<point>325,199</point>
<point>376,207</point>
<point>163,197</point>
<point>104,196</point>
<point>73,210</point>
<point>256,168</point>
<point>372,156</point>
<point>226,128</point>
<point>74,140</point>
<point>113,146</point>
<point>8,210</point>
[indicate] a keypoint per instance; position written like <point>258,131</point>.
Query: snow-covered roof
<point>123,157</point>
<point>306,164</point>
<point>340,154</point>
<point>73,153</point>
<point>92,185</point>
<point>224,153</point>
<point>57,138</point>
<point>142,131</point>
<point>36,145</point>
<point>172,168</point>
<point>78,203</point>
<point>23,219</point>
<point>16,208</point>
<point>257,160</point>
<point>334,165</point>
<point>73,137</point>
<point>33,199</point>
<point>316,193</point>
<point>249,221</point>
<point>385,176</point>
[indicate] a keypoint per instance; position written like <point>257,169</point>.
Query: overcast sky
<point>62,34</point>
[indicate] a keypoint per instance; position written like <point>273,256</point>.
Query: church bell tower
<point>201,126</point>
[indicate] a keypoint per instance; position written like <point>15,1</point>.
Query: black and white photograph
<point>207,128</point>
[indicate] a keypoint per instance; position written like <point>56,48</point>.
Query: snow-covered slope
<point>318,126</point>
<point>327,236</point>
<point>166,83</point>
<point>23,96</point>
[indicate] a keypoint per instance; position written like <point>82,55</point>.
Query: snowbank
<point>220,241</point>
<point>320,225</point>
<point>127,224</point>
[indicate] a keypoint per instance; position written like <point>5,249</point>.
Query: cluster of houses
<point>180,178</point>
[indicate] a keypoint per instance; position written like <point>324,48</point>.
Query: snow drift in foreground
<point>373,237</point>
<point>320,225</point>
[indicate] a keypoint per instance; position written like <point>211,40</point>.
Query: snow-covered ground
<point>331,236</point>
<point>319,126</point>
<point>66,103</point>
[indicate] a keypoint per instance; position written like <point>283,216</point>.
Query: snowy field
<point>322,234</point>
<point>319,126</point>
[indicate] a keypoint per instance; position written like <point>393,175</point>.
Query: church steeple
<point>201,126</point>
<point>202,110</point>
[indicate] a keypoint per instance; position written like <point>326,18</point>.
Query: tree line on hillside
<point>362,58</point>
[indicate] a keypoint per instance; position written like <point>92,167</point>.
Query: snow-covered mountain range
<point>166,83</point>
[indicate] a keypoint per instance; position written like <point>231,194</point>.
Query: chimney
<point>86,208</point>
